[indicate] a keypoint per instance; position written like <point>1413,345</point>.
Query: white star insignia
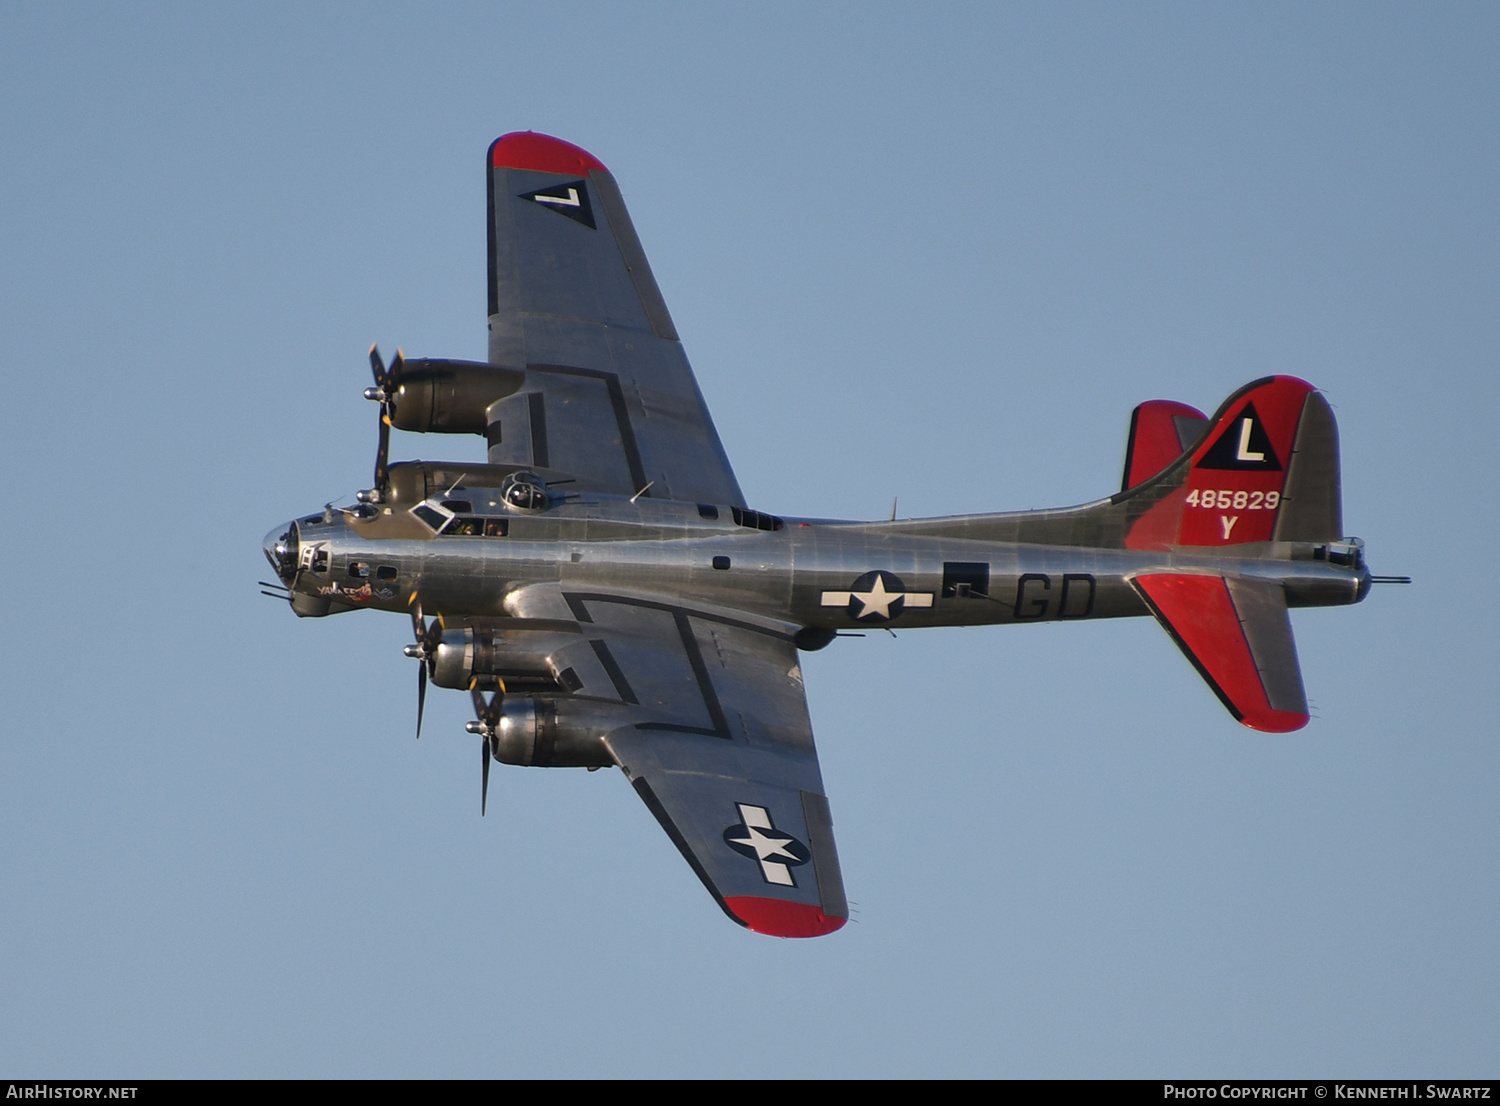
<point>877,601</point>
<point>766,847</point>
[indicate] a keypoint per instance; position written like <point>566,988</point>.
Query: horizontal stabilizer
<point>1236,632</point>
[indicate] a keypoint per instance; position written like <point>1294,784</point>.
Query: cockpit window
<point>475,526</point>
<point>524,491</point>
<point>434,518</point>
<point>440,518</point>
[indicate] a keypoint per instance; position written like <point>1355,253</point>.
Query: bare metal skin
<point>656,547</point>
<point>599,587</point>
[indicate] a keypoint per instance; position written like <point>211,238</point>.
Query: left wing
<point>608,397</point>
<point>723,755</point>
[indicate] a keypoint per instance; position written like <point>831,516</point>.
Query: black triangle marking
<point>1238,449</point>
<point>570,198</point>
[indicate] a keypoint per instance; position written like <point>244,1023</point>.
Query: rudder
<point>1312,499</point>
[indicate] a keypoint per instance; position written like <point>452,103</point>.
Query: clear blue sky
<point>932,251</point>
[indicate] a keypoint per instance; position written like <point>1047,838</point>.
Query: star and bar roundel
<point>777,852</point>
<point>877,596</point>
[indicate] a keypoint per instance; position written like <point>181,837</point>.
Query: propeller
<point>384,392</point>
<point>424,650</point>
<point>487,711</point>
<point>488,720</point>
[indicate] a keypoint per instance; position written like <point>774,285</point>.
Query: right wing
<point>723,754</point>
<point>609,397</point>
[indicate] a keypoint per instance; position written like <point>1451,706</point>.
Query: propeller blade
<point>421,696</point>
<point>385,391</point>
<point>489,717</point>
<point>484,793</point>
<point>426,643</point>
<point>383,450</point>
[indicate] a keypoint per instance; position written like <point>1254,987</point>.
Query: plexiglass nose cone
<point>280,548</point>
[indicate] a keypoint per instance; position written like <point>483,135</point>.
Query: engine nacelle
<point>448,397</point>
<point>555,733</point>
<point>498,650</point>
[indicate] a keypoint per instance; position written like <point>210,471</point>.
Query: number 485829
<point>1225,500</point>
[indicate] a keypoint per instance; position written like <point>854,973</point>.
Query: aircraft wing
<point>723,755</point>
<point>609,398</point>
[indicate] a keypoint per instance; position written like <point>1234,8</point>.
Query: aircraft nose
<point>280,548</point>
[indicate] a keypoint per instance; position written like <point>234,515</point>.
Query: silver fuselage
<point>802,574</point>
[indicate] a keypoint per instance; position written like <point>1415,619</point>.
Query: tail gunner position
<point>607,599</point>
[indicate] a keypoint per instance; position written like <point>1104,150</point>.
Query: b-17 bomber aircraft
<point>603,591</point>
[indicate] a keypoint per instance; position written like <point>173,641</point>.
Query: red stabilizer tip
<point>1276,721</point>
<point>1200,614</point>
<point>782,919</point>
<point>542,153</point>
